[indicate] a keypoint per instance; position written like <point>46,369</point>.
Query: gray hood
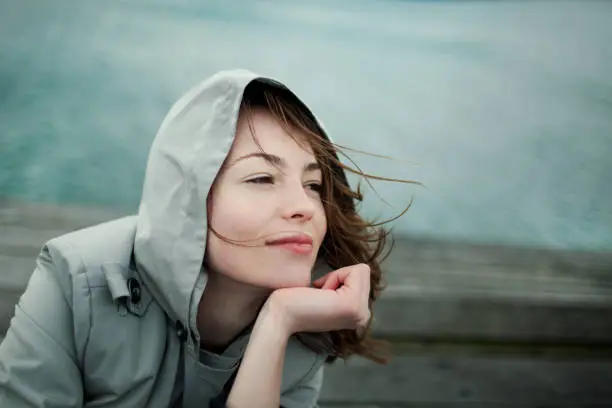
<point>186,155</point>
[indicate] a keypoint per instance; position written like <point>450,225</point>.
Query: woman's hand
<point>339,300</point>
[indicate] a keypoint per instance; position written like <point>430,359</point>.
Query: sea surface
<point>502,109</point>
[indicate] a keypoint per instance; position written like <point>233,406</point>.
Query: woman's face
<point>268,201</point>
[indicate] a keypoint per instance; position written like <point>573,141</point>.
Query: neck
<point>226,308</point>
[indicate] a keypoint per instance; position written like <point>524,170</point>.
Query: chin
<point>294,284</point>
<point>298,277</point>
<point>270,275</point>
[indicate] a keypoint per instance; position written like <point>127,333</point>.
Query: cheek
<point>231,224</point>
<point>320,222</point>
<point>235,219</point>
<point>226,259</point>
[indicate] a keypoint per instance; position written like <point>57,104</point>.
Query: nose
<point>298,205</point>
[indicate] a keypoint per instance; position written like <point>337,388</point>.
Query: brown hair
<point>350,239</point>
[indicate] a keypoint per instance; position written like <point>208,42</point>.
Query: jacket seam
<point>83,268</point>
<point>42,329</point>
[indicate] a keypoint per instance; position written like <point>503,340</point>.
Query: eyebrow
<point>275,161</point>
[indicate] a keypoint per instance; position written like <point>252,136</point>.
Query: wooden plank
<point>15,271</point>
<point>21,240</point>
<point>430,313</point>
<point>429,249</point>
<point>8,299</point>
<point>474,381</point>
<point>43,216</point>
<point>446,381</point>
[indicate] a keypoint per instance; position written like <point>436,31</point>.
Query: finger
<point>326,282</point>
<point>355,276</point>
<point>319,283</point>
<point>332,282</point>
<point>360,280</point>
<point>367,277</point>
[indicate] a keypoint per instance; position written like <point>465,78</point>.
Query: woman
<point>205,297</point>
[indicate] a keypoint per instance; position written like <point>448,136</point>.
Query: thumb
<point>335,279</point>
<point>332,281</point>
<point>319,282</point>
<point>329,281</point>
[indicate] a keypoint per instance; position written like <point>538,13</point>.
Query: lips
<point>300,239</point>
<point>300,244</point>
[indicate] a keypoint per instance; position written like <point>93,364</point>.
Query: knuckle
<point>365,268</point>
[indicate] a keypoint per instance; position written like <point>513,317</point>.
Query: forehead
<point>258,130</point>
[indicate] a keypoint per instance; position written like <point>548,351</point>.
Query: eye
<point>315,186</point>
<point>261,180</point>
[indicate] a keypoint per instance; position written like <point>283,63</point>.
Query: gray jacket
<point>108,316</point>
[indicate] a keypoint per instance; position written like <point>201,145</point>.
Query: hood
<point>187,153</point>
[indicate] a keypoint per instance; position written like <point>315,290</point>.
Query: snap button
<point>134,288</point>
<point>181,333</point>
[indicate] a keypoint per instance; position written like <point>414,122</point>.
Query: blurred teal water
<point>506,106</point>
